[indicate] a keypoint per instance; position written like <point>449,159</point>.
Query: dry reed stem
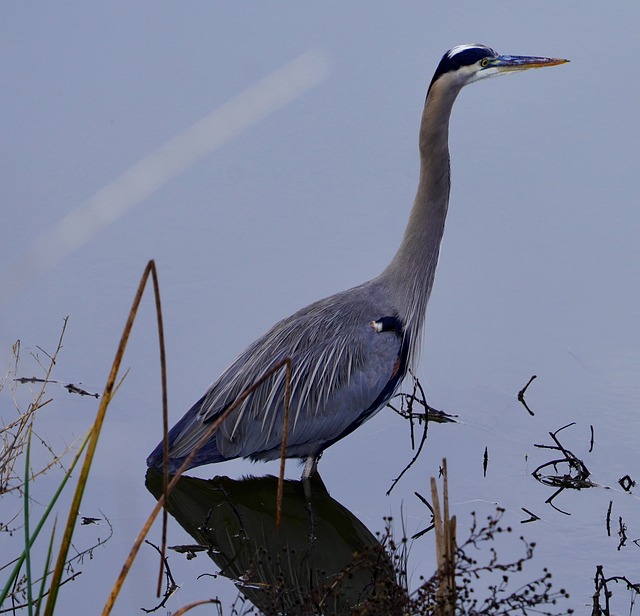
<point>109,392</point>
<point>445,529</point>
<point>150,269</point>
<point>283,449</point>
<point>175,478</point>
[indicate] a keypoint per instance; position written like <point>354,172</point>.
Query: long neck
<point>409,276</point>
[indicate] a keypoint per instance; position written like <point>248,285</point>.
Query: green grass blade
<point>27,546</point>
<point>45,515</point>
<point>67,534</point>
<point>46,570</point>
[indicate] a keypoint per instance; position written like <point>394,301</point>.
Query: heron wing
<point>343,371</point>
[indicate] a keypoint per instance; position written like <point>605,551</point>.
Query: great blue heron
<point>348,352</point>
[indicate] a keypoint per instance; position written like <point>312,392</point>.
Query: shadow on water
<point>322,557</point>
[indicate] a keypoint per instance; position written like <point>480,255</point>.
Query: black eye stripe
<point>462,56</point>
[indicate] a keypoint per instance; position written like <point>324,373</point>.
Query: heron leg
<point>310,467</point>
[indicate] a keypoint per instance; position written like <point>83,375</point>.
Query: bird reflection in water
<point>322,560</point>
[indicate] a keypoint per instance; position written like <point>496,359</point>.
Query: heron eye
<point>484,62</point>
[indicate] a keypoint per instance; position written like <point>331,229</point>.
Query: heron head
<point>465,64</point>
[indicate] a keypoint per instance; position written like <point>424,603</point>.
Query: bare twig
<point>170,587</point>
<point>432,525</point>
<point>14,434</point>
<point>577,477</point>
<point>523,391</point>
<point>429,414</point>
<point>533,517</point>
<point>601,587</point>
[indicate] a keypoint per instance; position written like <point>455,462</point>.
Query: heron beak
<point>505,64</point>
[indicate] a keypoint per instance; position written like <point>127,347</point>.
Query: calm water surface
<point>538,274</point>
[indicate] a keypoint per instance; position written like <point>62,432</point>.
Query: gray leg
<point>310,467</point>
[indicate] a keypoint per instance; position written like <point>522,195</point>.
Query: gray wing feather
<point>340,365</point>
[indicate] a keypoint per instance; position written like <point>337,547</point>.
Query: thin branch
<point>523,391</point>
